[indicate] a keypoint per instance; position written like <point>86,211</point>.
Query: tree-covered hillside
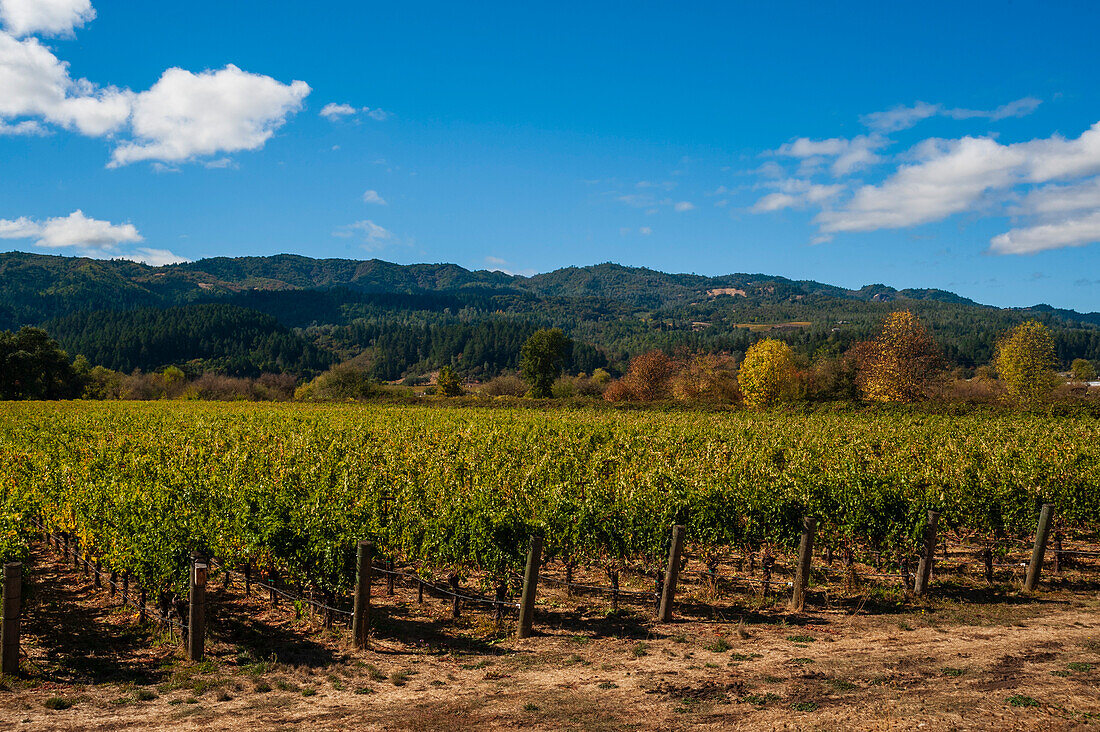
<point>296,314</point>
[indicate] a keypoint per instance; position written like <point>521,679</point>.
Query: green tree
<point>1083,370</point>
<point>542,358</point>
<point>33,366</point>
<point>448,383</point>
<point>1026,360</point>
<point>768,369</point>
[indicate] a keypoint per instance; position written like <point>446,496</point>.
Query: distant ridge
<point>408,319</point>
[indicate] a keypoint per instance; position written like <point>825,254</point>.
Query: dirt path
<point>1015,664</point>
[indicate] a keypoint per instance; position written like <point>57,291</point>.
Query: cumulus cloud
<point>1070,232</point>
<point>186,115</point>
<point>372,196</point>
<point>35,83</point>
<point>682,206</point>
<point>848,155</point>
<point>75,230</point>
<point>87,237</point>
<point>952,176</point>
<point>44,17</point>
<point>902,117</point>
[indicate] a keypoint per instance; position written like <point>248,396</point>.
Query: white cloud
<point>496,264</point>
<point>952,176</point>
<point>186,115</point>
<point>775,202</point>
<point>1058,158</point>
<point>795,193</point>
<point>35,83</point>
<point>44,17</point>
<point>682,206</point>
<point>372,196</point>
<point>848,155</point>
<point>1055,199</point>
<point>182,117</point>
<point>645,230</point>
<point>154,257</point>
<point>26,127</point>
<point>901,117</point>
<point>333,111</point>
<point>373,236</point>
<point>88,236</point>
<point>1071,232</point>
<point>336,111</point>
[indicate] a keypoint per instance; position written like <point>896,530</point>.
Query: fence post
<point>668,592</point>
<point>987,560</point>
<point>141,610</point>
<point>248,580</point>
<point>389,577</point>
<point>98,581</point>
<point>455,607</point>
<point>805,557</point>
<point>360,616</point>
<point>13,590</point>
<point>273,578</point>
<point>530,588</point>
<point>1058,553</point>
<point>924,568</point>
<point>125,588</point>
<point>1042,533</point>
<point>196,618</point>
<point>113,582</point>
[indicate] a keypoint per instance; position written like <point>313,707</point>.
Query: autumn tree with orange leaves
<point>899,363</point>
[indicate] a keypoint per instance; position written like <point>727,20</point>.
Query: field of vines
<point>294,487</point>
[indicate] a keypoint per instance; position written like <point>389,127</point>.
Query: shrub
<point>342,382</point>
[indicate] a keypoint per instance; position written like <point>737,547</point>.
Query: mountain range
<point>292,313</point>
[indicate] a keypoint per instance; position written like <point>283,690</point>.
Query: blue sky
<point>941,145</point>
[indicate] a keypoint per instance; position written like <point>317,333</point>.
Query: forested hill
<point>408,319</point>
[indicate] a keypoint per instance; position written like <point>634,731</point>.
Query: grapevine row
<point>293,488</point>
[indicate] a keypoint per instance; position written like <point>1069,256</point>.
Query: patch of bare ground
<point>865,658</point>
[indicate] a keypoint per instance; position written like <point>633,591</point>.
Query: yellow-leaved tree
<point>898,364</point>
<point>1025,360</point>
<point>766,372</point>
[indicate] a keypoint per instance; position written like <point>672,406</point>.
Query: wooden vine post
<point>668,592</point>
<point>1042,533</point>
<point>924,568</point>
<point>360,616</point>
<point>805,557</point>
<point>530,588</point>
<point>196,617</point>
<point>13,591</point>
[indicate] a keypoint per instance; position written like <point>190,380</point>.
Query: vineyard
<point>290,490</point>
